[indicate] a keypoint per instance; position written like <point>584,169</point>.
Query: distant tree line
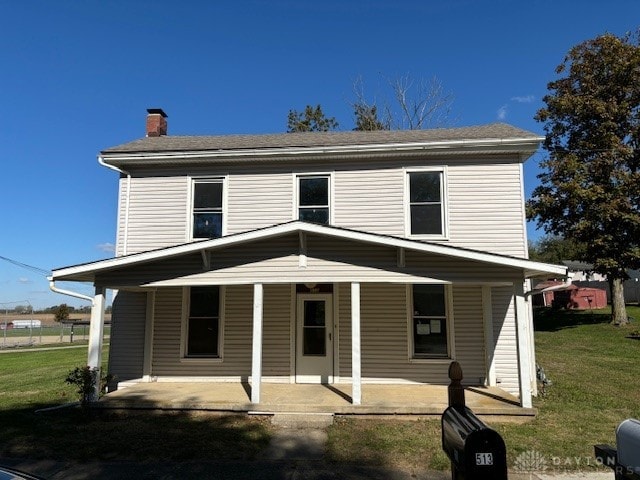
<point>28,309</point>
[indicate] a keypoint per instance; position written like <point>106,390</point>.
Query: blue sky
<point>77,78</point>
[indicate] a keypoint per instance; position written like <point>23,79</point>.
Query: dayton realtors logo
<point>535,462</point>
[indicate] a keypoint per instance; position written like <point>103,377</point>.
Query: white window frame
<point>206,179</point>
<point>296,189</point>
<point>184,330</point>
<point>451,354</point>
<point>444,196</point>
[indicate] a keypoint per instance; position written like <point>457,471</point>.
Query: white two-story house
<point>338,257</point>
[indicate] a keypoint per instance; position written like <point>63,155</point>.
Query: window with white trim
<point>314,196</point>
<point>426,215</point>
<point>429,321</point>
<point>203,323</point>
<point>207,208</point>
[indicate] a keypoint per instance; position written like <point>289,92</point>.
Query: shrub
<point>85,378</point>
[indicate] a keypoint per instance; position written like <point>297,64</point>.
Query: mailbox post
<point>475,450</point>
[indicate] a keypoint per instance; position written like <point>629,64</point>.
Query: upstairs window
<point>429,321</point>
<point>313,199</point>
<point>207,208</point>
<point>426,205</point>
<point>203,323</point>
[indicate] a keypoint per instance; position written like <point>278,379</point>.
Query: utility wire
<point>39,271</point>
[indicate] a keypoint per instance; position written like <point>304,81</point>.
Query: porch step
<point>302,420</point>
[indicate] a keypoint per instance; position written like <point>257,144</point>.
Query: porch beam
<point>206,259</point>
<point>302,253</point>
<point>96,335</point>
<point>489,342</point>
<point>400,257</point>
<point>356,359</point>
<point>524,351</point>
<point>256,358</point>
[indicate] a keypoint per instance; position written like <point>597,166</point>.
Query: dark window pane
<point>314,191</point>
<point>424,187</point>
<point>314,341</point>
<point>203,337</point>
<point>314,215</point>
<point>426,219</point>
<point>207,225</point>
<point>429,337</point>
<point>428,301</point>
<point>314,313</point>
<point>207,195</point>
<point>205,302</point>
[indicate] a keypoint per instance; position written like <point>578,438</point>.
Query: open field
<point>593,367</point>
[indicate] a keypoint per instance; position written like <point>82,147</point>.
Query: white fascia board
<point>528,267</point>
<point>526,145</point>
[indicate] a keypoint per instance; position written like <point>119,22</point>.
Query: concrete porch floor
<point>415,400</point>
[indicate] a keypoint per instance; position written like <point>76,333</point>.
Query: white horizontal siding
<point>469,333</point>
<point>504,331</point>
<point>484,204</point>
<point>370,199</point>
<point>237,327</point>
<point>486,208</point>
<point>128,318</point>
<point>258,200</point>
<point>157,213</point>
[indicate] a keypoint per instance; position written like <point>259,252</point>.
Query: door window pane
<point>314,328</point>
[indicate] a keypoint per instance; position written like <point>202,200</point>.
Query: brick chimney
<point>156,122</point>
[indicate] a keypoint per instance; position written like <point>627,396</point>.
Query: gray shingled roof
<point>176,143</point>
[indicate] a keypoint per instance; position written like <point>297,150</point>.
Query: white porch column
<point>524,350</point>
<point>148,336</point>
<point>256,360</point>
<point>96,335</point>
<point>489,342</point>
<point>356,366</point>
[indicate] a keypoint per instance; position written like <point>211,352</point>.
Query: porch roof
<point>90,271</point>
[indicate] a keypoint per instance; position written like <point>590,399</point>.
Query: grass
<point>592,364</point>
<point>34,380</point>
<point>593,367</point>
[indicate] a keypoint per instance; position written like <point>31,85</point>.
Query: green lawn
<point>592,365</point>
<point>594,370</point>
<point>32,380</point>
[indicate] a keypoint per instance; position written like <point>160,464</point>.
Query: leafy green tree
<point>61,313</point>
<point>311,120</point>
<point>555,249</point>
<point>590,182</point>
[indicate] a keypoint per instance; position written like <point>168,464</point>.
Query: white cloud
<point>24,281</point>
<point>525,99</point>
<point>106,247</point>
<point>502,112</point>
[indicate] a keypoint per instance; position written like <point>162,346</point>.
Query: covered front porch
<point>378,400</point>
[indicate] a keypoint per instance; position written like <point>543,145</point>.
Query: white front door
<point>314,339</point>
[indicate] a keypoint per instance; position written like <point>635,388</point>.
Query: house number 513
<point>484,458</point>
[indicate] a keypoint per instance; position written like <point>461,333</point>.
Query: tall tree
<point>412,104</point>
<point>311,120</point>
<point>590,180</point>
<point>554,249</point>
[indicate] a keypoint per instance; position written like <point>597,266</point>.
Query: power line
<point>39,271</point>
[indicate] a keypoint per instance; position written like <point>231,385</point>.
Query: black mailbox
<point>475,450</point>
